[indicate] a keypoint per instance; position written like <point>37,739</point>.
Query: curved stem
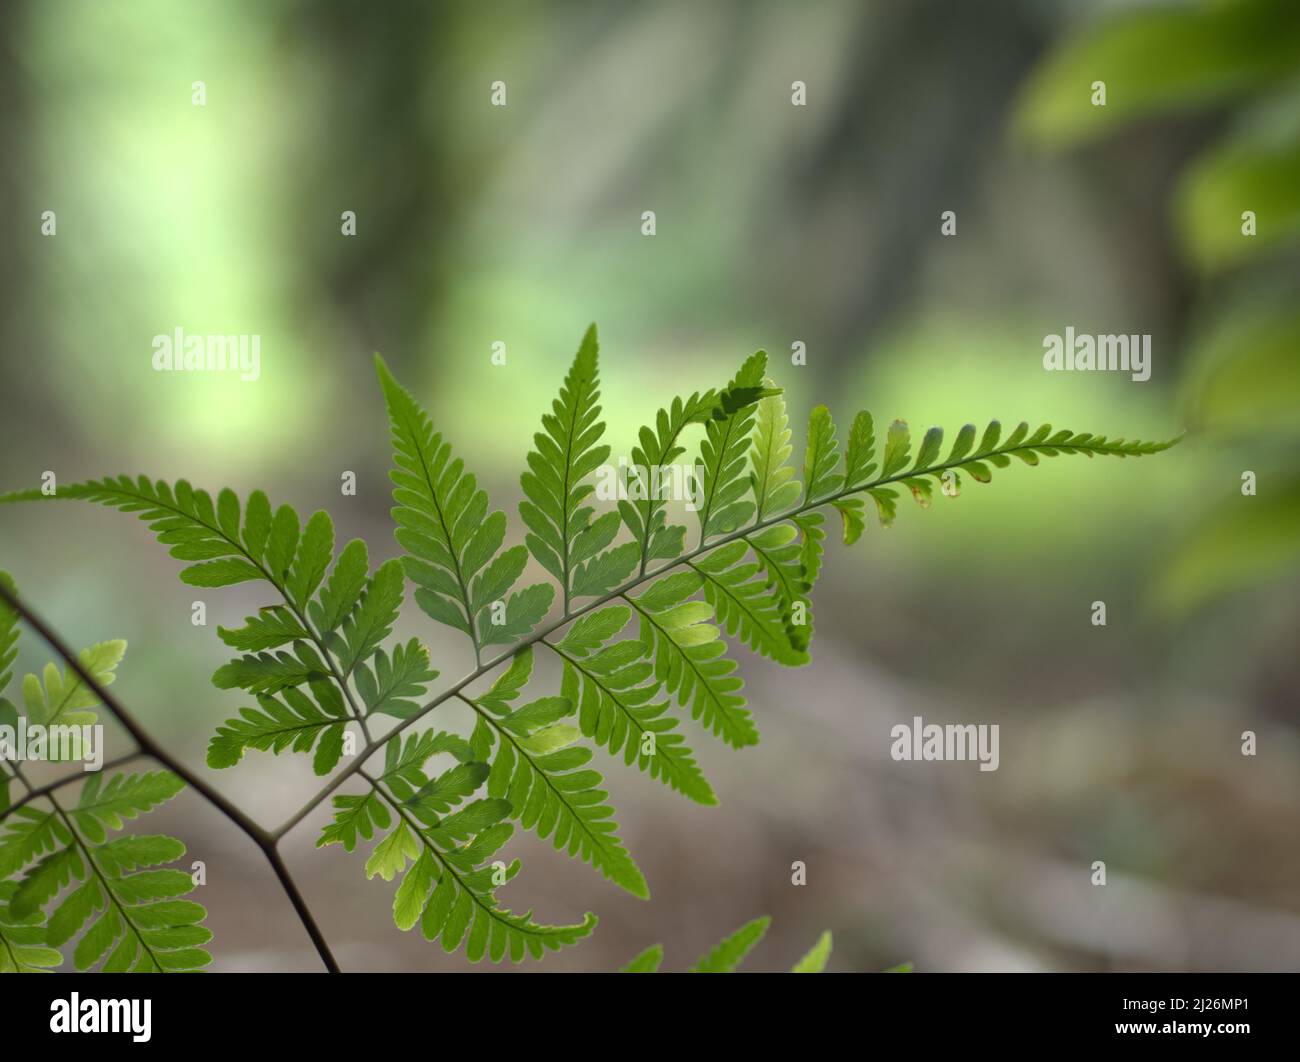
<point>59,783</point>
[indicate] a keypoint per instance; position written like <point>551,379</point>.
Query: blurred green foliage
<point>1239,61</point>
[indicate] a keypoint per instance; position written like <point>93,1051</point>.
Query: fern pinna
<point>639,624</point>
<point>727,955</point>
<point>120,901</point>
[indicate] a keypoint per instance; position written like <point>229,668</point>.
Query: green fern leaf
<point>812,538</point>
<point>562,534</point>
<point>392,686</point>
<point>729,954</point>
<point>860,453</point>
<point>690,657</point>
<point>722,452</point>
<point>648,961</point>
<point>272,672</point>
<point>522,613</point>
<point>853,522</point>
<point>312,559</point>
<point>817,958</point>
<point>610,689</point>
<point>133,917</point>
<point>355,816</point>
<point>352,615</point>
<point>442,793</point>
<point>126,796</point>
<point>744,606</point>
<point>29,834</point>
<point>775,488</point>
<point>64,698</point>
<point>23,938</point>
<point>551,789</point>
<point>271,628</point>
<point>643,511</point>
<point>42,881</point>
<point>187,522</point>
<point>821,456</point>
<point>446,890</point>
<point>443,521</point>
<point>898,447</point>
<point>975,459</point>
<point>372,621</point>
<point>404,762</point>
<point>343,590</point>
<point>602,573</point>
<point>294,721</point>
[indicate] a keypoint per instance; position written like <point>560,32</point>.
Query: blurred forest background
<point>776,224</point>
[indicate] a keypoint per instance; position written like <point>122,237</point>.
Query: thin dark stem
<point>149,747</point>
<point>67,779</point>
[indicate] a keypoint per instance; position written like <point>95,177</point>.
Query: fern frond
<point>453,543</point>
<point>613,697</point>
<point>648,961</point>
<point>29,833</point>
<point>347,582</point>
<point>729,953</point>
<point>722,452</point>
<point>779,554</point>
<point>562,536</point>
<point>524,610</point>
<point>272,627</point>
<point>132,914</point>
<point>317,660</point>
<point>196,530</point>
<point>293,721</point>
<point>774,484</point>
<point>977,459</point>
<point>126,796</point>
<point>63,698</point>
<point>271,672</point>
<point>23,938</point>
<point>445,889</point>
<point>346,617</point>
<point>545,777</point>
<point>817,958</point>
<point>393,686</point>
<point>643,511</point>
<point>355,816</point>
<point>690,658</point>
<point>404,762</point>
<point>738,591</point>
<point>360,635</point>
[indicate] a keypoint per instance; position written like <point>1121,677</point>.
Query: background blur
<point>776,224</point>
